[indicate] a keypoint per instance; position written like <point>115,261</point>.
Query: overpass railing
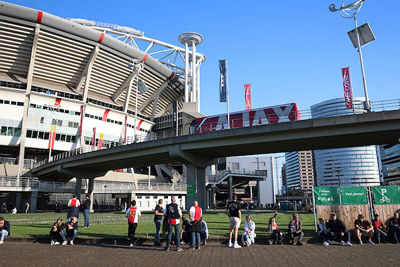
<point>376,106</point>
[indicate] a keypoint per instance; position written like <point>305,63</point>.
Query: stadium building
<point>68,84</point>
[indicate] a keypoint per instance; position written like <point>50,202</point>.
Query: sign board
<point>386,195</point>
<point>190,191</point>
<point>350,195</point>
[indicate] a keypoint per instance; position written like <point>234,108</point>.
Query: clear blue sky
<point>290,51</point>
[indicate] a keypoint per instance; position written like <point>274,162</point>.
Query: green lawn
<point>113,225</point>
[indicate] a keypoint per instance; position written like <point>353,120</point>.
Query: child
<point>323,232</point>
<point>72,229</point>
<point>276,234</point>
<point>249,232</point>
<point>57,233</point>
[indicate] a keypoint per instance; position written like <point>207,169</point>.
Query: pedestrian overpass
<point>199,150</point>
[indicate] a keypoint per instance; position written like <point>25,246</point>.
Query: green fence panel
<point>326,196</point>
<point>386,195</point>
<point>352,195</point>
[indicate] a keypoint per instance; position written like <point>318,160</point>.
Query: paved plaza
<point>214,254</point>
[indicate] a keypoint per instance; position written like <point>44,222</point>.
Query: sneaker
<point>71,242</point>
<point>193,248</point>
<point>230,244</point>
<point>179,249</point>
<point>360,242</point>
<point>370,242</point>
<point>64,243</point>
<point>329,242</point>
<point>167,249</point>
<point>56,243</point>
<point>236,245</point>
<point>325,244</point>
<point>247,243</point>
<point>348,244</point>
<point>342,243</point>
<point>1,242</point>
<point>131,244</point>
<point>51,243</point>
<point>299,244</point>
<point>198,247</point>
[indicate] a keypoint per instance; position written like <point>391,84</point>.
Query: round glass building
<point>352,166</point>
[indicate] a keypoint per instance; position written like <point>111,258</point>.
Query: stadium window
<point>34,134</point>
<point>91,116</point>
<point>7,102</point>
<point>58,137</point>
<point>165,196</point>
<point>20,103</point>
<point>28,133</point>
<point>13,103</point>
<point>96,117</point>
<point>69,138</point>
<point>42,120</point>
<point>17,131</point>
<point>1,101</point>
<point>139,197</point>
<point>41,135</point>
<point>154,197</point>
<point>62,137</point>
<point>3,130</point>
<point>46,136</point>
<point>147,197</point>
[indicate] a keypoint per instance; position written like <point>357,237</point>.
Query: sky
<point>290,51</point>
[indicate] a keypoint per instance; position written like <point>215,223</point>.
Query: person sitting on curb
<point>4,229</point>
<point>72,229</point>
<point>363,228</point>
<point>249,233</point>
<point>394,227</point>
<point>379,229</point>
<point>57,233</point>
<point>295,229</point>
<point>338,230</point>
<point>204,232</point>
<point>276,234</point>
<point>323,232</point>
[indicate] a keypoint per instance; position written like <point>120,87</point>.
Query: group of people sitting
<point>60,232</point>
<point>334,229</point>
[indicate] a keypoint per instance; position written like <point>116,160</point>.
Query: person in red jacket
<point>133,214</point>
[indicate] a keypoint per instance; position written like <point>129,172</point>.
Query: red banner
<point>348,97</point>
<point>247,96</point>
<point>94,137</point>
<point>125,128</point>
<point>100,145</point>
<point>80,125</point>
<point>52,137</point>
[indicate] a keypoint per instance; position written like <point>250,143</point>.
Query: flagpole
<point>227,92</point>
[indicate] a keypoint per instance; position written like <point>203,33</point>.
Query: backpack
<point>172,211</point>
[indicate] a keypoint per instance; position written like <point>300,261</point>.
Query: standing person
<point>363,228</point>
<point>73,207</point>
<point>133,214</point>
<point>338,230</point>
<point>27,207</point>
<point>72,229</point>
<point>276,234</point>
<point>195,213</point>
<point>379,229</point>
<point>86,211</point>
<point>249,231</point>
<point>57,233</point>
<point>394,227</point>
<point>173,212</point>
<point>4,229</point>
<point>323,232</point>
<point>158,216</point>
<point>295,229</point>
<point>4,207</point>
<point>58,207</point>
<point>235,218</point>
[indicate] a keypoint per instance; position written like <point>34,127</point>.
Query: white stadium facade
<point>69,84</point>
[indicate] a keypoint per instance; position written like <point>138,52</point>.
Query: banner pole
<point>314,210</point>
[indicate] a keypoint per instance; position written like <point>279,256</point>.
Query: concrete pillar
<point>196,181</point>
<point>90,192</point>
<point>230,189</point>
<point>78,187</point>
<point>258,194</point>
<point>251,192</point>
<point>33,201</point>
<point>18,197</point>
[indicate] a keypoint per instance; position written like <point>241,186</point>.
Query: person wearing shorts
<point>235,217</point>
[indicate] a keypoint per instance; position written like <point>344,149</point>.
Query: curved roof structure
<point>64,52</point>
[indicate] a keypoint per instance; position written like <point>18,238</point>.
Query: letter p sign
<point>383,191</point>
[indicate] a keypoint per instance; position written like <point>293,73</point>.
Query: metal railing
<point>376,106</point>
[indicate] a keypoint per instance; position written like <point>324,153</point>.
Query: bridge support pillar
<point>90,192</point>
<point>78,187</point>
<point>230,189</point>
<point>196,182</point>
<point>33,201</point>
<point>212,206</point>
<point>18,198</point>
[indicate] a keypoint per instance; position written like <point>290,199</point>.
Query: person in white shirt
<point>195,213</point>
<point>133,214</point>
<point>14,210</point>
<point>249,232</point>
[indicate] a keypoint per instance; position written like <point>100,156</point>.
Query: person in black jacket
<point>4,229</point>
<point>57,233</point>
<point>338,230</point>
<point>394,228</point>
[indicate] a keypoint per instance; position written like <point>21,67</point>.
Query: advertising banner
<point>386,195</point>
<point>348,97</point>
<point>326,196</point>
<point>223,81</point>
<point>100,145</point>
<point>247,96</point>
<point>190,191</point>
<point>353,195</point>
